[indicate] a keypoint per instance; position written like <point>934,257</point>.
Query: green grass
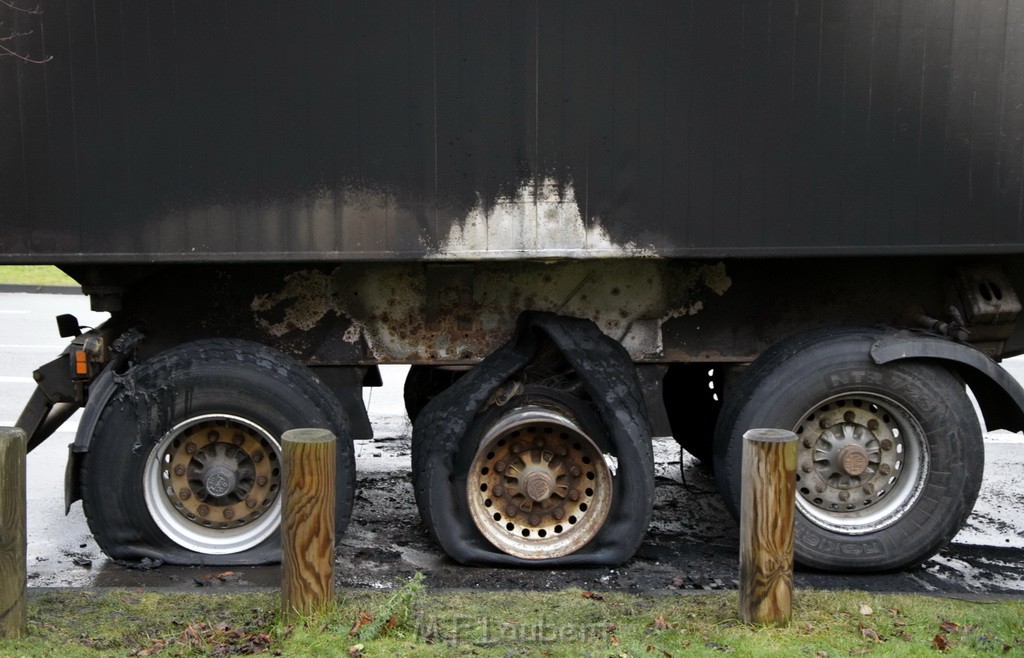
<point>414,622</point>
<point>35,275</point>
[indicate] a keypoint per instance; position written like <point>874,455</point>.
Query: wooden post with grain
<point>767,506</point>
<point>13,534</point>
<point>307,522</point>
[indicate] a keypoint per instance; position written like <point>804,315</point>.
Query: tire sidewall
<point>793,384</point>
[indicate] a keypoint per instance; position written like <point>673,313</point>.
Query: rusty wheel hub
<point>538,487</point>
<point>213,484</point>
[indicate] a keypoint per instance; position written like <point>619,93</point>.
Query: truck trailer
<point>583,223</point>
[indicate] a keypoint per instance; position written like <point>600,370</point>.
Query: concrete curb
<point>43,290</point>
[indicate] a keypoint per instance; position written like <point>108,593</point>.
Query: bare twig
<point>36,10</point>
<point>7,52</point>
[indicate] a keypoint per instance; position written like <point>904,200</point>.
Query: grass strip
<point>416,622</point>
<point>35,275</point>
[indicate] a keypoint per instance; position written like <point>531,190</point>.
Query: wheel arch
<point>999,395</point>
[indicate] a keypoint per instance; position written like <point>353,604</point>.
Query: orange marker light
<point>81,365</point>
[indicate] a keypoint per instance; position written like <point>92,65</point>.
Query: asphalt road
<point>692,543</point>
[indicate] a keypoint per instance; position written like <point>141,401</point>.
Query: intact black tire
<point>183,465</point>
<point>890,457</point>
<point>693,401</point>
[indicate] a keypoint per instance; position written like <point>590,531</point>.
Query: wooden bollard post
<point>767,506</point>
<point>13,534</point>
<point>307,522</point>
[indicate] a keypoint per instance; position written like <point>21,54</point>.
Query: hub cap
<point>538,487</point>
<point>861,464</point>
<point>212,484</point>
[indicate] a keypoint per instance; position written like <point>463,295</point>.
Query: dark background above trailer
<point>361,130</point>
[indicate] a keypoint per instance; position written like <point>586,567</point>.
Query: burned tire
<point>890,457</point>
<point>184,461</point>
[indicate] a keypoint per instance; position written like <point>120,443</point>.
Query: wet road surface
<point>691,545</point>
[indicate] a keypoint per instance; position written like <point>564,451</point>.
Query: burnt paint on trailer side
<point>408,130</point>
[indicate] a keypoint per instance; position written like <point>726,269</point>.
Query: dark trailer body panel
<point>326,130</point>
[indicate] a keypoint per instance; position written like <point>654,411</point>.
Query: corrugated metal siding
<point>348,130</point>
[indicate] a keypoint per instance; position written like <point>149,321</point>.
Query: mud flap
<point>609,376</point>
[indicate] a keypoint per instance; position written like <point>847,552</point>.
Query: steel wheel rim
<point>212,484</point>
<point>862,463</point>
<point>538,487</point>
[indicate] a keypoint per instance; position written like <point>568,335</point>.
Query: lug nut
<point>557,514</point>
<point>185,493</point>
<point>562,451</point>
<point>820,488</point>
<point>511,511</point>
<point>250,502</point>
<point>824,424</point>
<point>873,425</point>
<point>574,494</point>
<point>262,480</point>
<point>257,457</point>
<point>229,513</point>
<point>203,510</point>
<point>179,469</point>
<point>575,471</point>
<point>498,491</point>
<point>885,469</point>
<point>238,439</point>
<point>190,448</point>
<point>535,520</point>
<point>213,437</point>
<point>808,443</point>
<point>500,467</point>
<point>868,488</point>
<point>886,444</point>
<point>517,448</point>
<point>806,468</point>
<point>539,442</point>
<point>844,496</point>
<point>849,417</point>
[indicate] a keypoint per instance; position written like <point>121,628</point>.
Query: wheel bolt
<point>885,469</point>
<point>179,469</point>
<point>820,488</point>
<point>250,502</point>
<point>500,467</point>
<point>190,448</point>
<point>534,520</point>
<point>575,470</point>
<point>562,451</point>
<point>849,416</point>
<point>808,443</point>
<point>238,439</point>
<point>517,448</point>
<point>574,494</point>
<point>498,491</point>
<point>868,488</point>
<point>873,425</point>
<point>844,496</point>
<point>557,514</point>
<point>539,442</point>
<point>257,456</point>
<point>886,444</point>
<point>203,510</point>
<point>229,513</point>
<point>185,493</point>
<point>824,424</point>
<point>262,480</point>
<point>213,437</point>
<point>806,468</point>
<point>511,511</point>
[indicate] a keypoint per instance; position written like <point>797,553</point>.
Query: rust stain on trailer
<point>459,312</point>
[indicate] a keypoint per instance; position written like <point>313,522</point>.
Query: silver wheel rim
<point>538,487</point>
<point>862,463</point>
<point>212,484</point>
